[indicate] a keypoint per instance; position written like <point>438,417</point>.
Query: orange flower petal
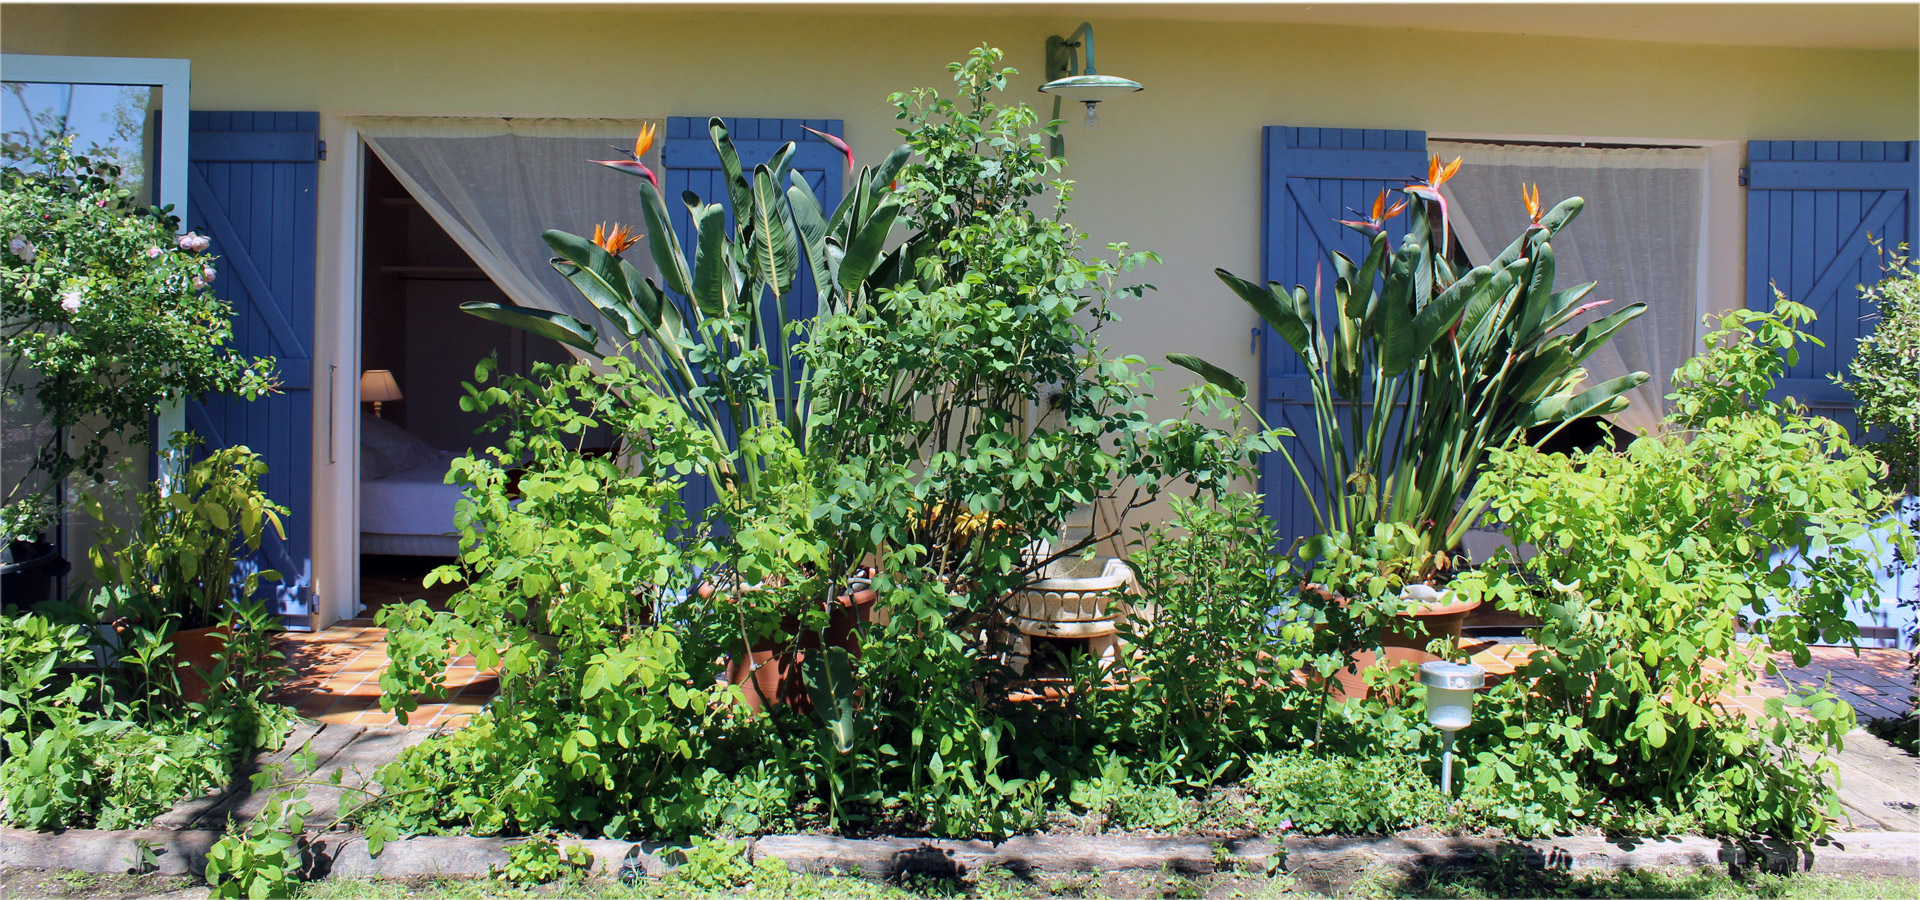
<point>644,142</point>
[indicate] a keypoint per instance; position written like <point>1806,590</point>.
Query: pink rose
<point>70,300</point>
<point>206,274</point>
<point>154,252</point>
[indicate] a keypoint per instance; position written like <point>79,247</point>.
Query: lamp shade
<point>1090,88</point>
<point>378,386</point>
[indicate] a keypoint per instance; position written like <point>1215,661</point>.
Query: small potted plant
<point>1417,372</point>
<point>180,571</point>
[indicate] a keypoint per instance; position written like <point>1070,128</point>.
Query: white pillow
<point>386,448</point>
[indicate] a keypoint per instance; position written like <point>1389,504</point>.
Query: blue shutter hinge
<point>1743,176</point>
<point>323,155</point>
<point>1253,341</point>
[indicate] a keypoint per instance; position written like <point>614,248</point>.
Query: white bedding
<point>413,501</point>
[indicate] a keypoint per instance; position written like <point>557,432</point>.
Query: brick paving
<point>1877,682</point>
<point>337,680</point>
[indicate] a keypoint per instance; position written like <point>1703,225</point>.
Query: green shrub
<point>542,859</point>
<point>267,857</point>
<point>1344,794</point>
<point>1651,559</point>
<point>1886,370</point>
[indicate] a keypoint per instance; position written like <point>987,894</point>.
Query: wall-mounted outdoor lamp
<point>1450,688</point>
<point>1065,81</point>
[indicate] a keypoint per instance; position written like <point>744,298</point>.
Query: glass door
<point>111,110</point>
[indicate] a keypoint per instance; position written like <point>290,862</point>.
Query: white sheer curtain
<point>496,184</point>
<point>1639,237</point>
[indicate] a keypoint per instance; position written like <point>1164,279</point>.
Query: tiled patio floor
<point>337,680</point>
<point>1877,682</point>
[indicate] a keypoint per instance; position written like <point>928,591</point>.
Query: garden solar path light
<point>1065,81</point>
<point>1450,688</point>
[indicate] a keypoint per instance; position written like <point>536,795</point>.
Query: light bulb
<point>1093,115</point>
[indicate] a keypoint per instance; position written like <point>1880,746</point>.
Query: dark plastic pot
<point>34,575</point>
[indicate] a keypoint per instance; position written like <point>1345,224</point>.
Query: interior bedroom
<point>416,349</point>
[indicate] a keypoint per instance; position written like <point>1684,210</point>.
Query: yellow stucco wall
<point>1174,169</point>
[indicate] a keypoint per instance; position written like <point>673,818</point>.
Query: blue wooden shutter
<point>253,180</point>
<point>1811,208</point>
<point>1313,177</point>
<point>693,165</point>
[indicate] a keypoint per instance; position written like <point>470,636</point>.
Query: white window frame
<point>172,76</point>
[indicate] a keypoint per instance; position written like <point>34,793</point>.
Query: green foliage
<point>1365,794</point>
<point>1886,370</point>
<point>177,564</point>
<point>65,766</point>
<point>1651,558</point>
<point>723,866</point>
<point>114,747</point>
<point>1210,643</point>
<point>542,859</point>
<point>267,857</point>
<point>1417,373</point>
<point>107,311</point>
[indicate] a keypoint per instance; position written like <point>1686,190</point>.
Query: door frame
<point>336,352</point>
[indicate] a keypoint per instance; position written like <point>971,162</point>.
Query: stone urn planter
<point>769,671</point>
<point>1085,608</point>
<point>1441,611</point>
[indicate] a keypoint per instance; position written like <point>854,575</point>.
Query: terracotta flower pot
<point>769,671</point>
<point>193,651</point>
<point>1442,616</point>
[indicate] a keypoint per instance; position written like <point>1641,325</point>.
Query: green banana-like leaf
<point>596,274</point>
<point>810,226</point>
<point>1267,302</point>
<point>1443,311</point>
<point>1213,374</point>
<point>864,252</point>
<point>1596,334</point>
<point>1550,225</point>
<point>1536,301</point>
<point>775,245</point>
<point>620,315</point>
<point>1393,324</point>
<point>1369,273</point>
<point>663,243</point>
<point>556,326</point>
<point>714,290</point>
<point>1566,305</point>
<point>889,170</point>
<point>830,686</point>
<point>1602,399</point>
<point>738,189</point>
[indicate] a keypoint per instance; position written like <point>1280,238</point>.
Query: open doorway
<point>417,349</point>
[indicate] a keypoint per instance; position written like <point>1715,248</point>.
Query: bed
<point>406,506</point>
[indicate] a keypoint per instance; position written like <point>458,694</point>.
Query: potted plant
<point>179,571</point>
<point>109,320</point>
<point>1417,371</point>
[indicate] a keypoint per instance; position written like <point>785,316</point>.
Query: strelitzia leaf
<point>1213,374</point>
<point>775,245</point>
<point>556,326</point>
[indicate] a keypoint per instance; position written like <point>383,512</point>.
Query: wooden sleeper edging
<point>1312,860</point>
